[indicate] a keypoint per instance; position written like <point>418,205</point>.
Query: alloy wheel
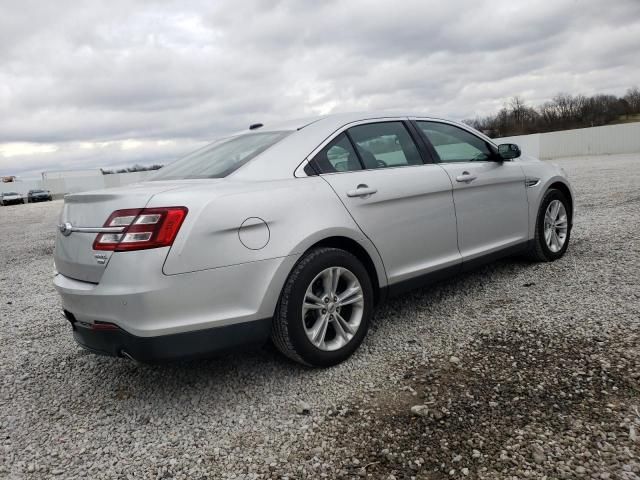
<point>556,225</point>
<point>332,309</point>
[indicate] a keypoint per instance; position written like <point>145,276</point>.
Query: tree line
<point>563,112</point>
<point>135,168</point>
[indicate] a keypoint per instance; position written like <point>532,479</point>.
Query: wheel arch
<point>355,248</point>
<point>564,188</point>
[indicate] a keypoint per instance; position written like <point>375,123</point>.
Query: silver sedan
<point>295,232</point>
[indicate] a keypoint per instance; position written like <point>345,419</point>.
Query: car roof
<point>339,119</point>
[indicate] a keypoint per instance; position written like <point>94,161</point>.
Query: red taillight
<point>104,327</point>
<point>142,228</point>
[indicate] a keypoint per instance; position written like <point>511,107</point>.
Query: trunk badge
<point>65,229</point>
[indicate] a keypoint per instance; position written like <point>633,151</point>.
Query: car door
<point>403,205</point>
<point>489,194</point>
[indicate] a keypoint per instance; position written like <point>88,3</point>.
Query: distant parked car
<point>39,196</point>
<point>11,198</point>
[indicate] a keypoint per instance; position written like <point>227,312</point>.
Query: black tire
<point>288,333</point>
<point>539,251</point>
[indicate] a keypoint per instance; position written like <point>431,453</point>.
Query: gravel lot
<point>517,370</point>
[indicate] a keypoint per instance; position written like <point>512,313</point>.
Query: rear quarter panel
<point>298,212</point>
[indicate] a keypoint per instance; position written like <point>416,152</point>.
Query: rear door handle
<point>466,177</point>
<point>362,191</point>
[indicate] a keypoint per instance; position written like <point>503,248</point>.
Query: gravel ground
<point>517,370</point>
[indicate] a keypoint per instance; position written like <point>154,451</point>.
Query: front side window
<point>220,158</point>
<point>337,156</point>
<point>454,144</point>
<point>385,144</point>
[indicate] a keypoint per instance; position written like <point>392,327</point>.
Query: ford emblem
<point>65,229</point>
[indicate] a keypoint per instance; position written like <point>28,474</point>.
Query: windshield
<point>11,193</point>
<point>220,158</point>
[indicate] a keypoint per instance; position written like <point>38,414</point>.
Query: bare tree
<point>564,111</point>
<point>632,97</point>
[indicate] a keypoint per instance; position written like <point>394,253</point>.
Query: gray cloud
<point>105,73</point>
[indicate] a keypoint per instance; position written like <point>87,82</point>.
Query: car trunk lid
<point>74,254</point>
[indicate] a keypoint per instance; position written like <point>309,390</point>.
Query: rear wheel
<point>324,309</point>
<point>553,227</point>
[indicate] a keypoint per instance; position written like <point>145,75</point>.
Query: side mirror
<point>508,151</point>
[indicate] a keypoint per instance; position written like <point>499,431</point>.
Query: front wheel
<point>553,227</point>
<point>324,309</point>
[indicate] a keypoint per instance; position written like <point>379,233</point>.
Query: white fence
<point>61,184</point>
<point>607,140</point>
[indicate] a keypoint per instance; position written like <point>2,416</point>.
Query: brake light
<point>104,326</point>
<point>141,229</point>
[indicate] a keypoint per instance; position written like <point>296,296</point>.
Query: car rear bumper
<point>201,343</point>
<point>170,316</point>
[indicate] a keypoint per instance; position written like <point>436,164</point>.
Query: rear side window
<point>220,158</point>
<point>385,144</point>
<point>454,144</point>
<point>337,156</point>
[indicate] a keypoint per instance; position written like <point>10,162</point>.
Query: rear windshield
<point>220,158</point>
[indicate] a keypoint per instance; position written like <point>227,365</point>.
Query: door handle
<point>466,177</point>
<point>361,191</point>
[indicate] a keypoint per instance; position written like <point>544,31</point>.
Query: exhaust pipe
<point>126,355</point>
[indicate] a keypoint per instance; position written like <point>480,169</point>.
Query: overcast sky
<point>101,84</point>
